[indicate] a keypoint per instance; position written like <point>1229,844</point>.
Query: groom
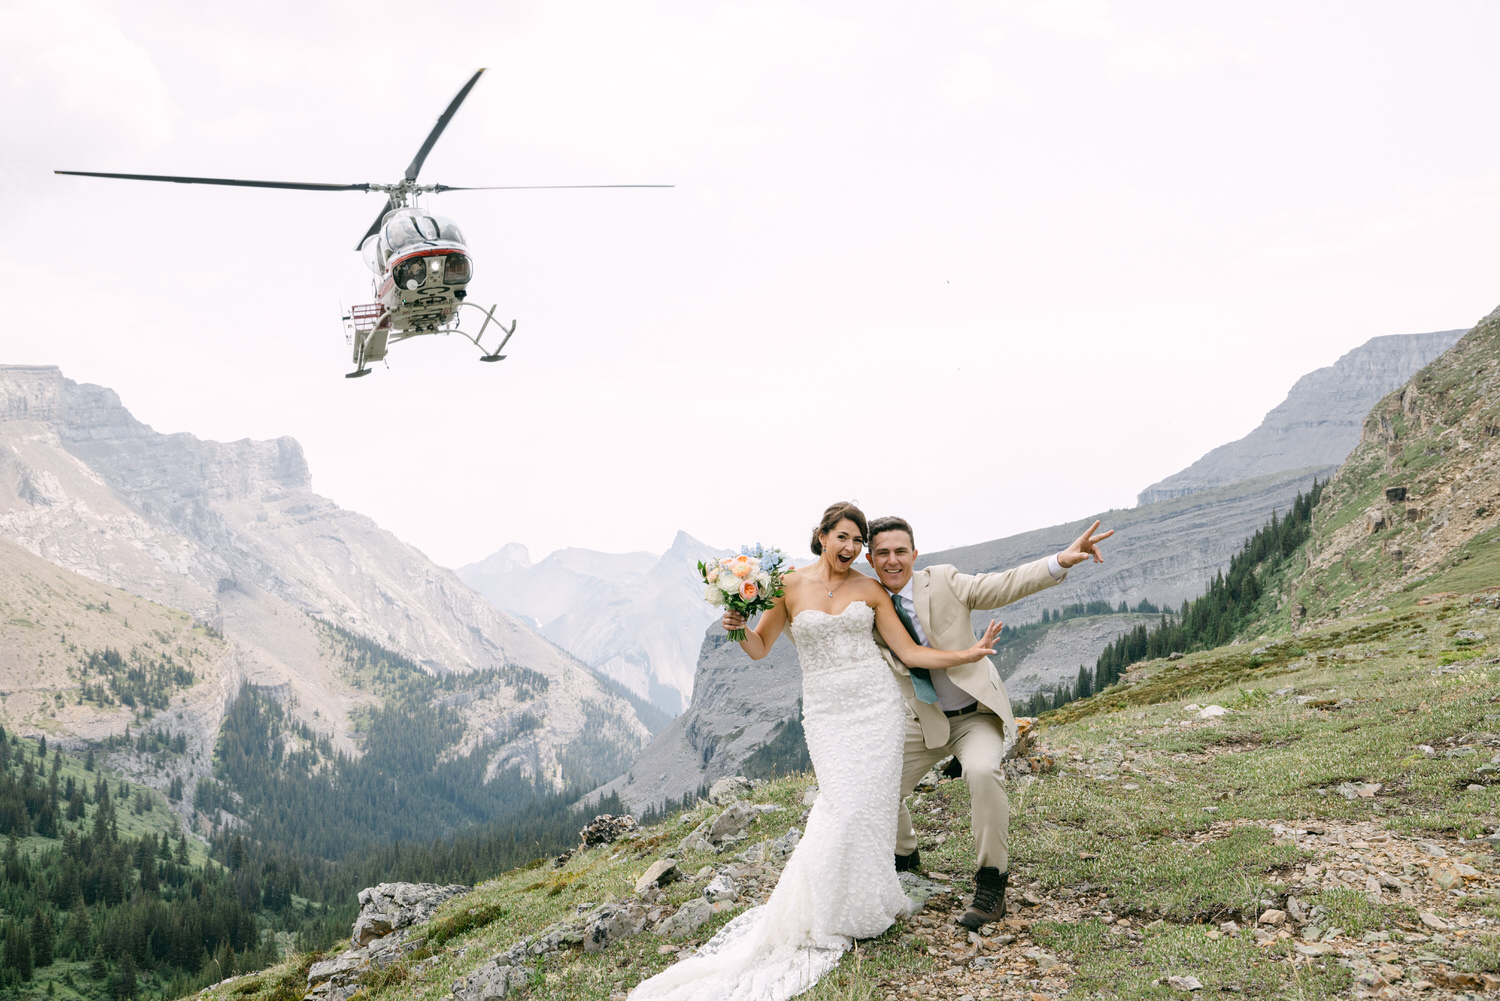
<point>963,711</point>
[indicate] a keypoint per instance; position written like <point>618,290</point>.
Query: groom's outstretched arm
<point>992,590</point>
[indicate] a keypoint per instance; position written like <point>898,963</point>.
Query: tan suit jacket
<point>944,598</point>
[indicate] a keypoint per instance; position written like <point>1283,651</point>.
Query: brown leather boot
<point>989,898</point>
<point>909,863</point>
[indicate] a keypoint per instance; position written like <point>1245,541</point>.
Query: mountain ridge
<point>1318,422</point>
<point>233,534</point>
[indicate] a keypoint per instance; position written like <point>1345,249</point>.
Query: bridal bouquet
<point>747,583</point>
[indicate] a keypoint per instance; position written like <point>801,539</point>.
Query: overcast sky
<point>988,265</point>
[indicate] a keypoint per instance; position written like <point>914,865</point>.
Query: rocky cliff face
<point>232,533</point>
<point>1416,507</point>
<point>1318,422</point>
<point>736,705</point>
<point>635,617</point>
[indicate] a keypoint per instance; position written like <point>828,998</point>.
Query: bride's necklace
<point>840,583</point>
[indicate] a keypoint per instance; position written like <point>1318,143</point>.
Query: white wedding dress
<point>840,883</point>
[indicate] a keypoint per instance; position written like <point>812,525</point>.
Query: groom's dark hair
<point>890,523</point>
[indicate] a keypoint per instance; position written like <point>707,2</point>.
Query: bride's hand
<point>733,620</point>
<point>986,644</point>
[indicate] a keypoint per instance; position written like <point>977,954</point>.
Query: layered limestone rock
<point>737,704</point>
<point>233,533</point>
<point>1318,423</point>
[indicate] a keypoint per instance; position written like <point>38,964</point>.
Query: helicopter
<point>420,264</point>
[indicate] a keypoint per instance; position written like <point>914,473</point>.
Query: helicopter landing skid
<point>489,317</point>
<point>356,373</point>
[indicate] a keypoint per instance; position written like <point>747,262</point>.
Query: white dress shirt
<point>950,696</point>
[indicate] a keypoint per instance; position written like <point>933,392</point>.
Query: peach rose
<point>742,568</point>
<point>748,590</point>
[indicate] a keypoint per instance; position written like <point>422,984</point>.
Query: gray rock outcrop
<point>383,933</point>
<point>388,907</point>
<point>1319,422</point>
<point>737,704</point>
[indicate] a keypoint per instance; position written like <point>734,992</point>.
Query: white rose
<point>763,580</point>
<point>713,595</point>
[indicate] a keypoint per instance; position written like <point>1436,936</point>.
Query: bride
<point>839,885</point>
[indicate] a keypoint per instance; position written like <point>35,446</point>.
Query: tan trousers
<point>978,741</point>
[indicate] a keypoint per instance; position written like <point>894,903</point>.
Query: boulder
<point>732,821</point>
<point>689,918</point>
<point>338,968</point>
<point>391,906</point>
<point>918,889</point>
<point>729,789</point>
<point>490,981</point>
<point>611,923</point>
<point>721,887</point>
<point>697,838</point>
<point>661,872</point>
<point>607,828</point>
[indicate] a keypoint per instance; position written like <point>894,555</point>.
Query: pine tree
<point>124,984</point>
<point>12,860</point>
<point>41,938</point>
<point>79,931</point>
<point>17,951</point>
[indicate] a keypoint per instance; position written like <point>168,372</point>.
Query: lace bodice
<point>832,642</point>
<point>840,883</point>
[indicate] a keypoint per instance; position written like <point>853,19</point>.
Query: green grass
<point>1155,854</point>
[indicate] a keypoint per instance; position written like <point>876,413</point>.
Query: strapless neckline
<point>834,615</point>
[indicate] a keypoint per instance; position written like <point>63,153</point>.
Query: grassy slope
<point>1159,826</point>
<point>1093,851</point>
<point>1438,437</point>
<point>51,619</point>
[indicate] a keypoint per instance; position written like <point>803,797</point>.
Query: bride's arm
<point>912,655</point>
<point>758,641</point>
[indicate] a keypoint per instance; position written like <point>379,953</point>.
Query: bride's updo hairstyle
<point>835,514</point>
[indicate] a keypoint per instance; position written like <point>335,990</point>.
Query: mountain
<point>634,617</point>
<point>738,705</point>
<point>542,592</point>
<point>1415,509</point>
<point>1164,551</point>
<point>233,535</point>
<point>1319,421</point>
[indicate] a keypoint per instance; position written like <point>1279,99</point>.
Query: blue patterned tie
<point>921,680</point>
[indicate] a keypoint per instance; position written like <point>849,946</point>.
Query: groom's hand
<point>733,620</point>
<point>1083,547</point>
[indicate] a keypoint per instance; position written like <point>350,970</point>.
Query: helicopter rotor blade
<point>442,123</point>
<point>543,187</point>
<point>390,203</point>
<point>231,181</point>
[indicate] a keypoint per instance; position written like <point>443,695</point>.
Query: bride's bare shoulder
<point>867,586</point>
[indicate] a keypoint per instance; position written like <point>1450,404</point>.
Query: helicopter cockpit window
<point>402,232</point>
<point>448,229</point>
<point>374,257</point>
